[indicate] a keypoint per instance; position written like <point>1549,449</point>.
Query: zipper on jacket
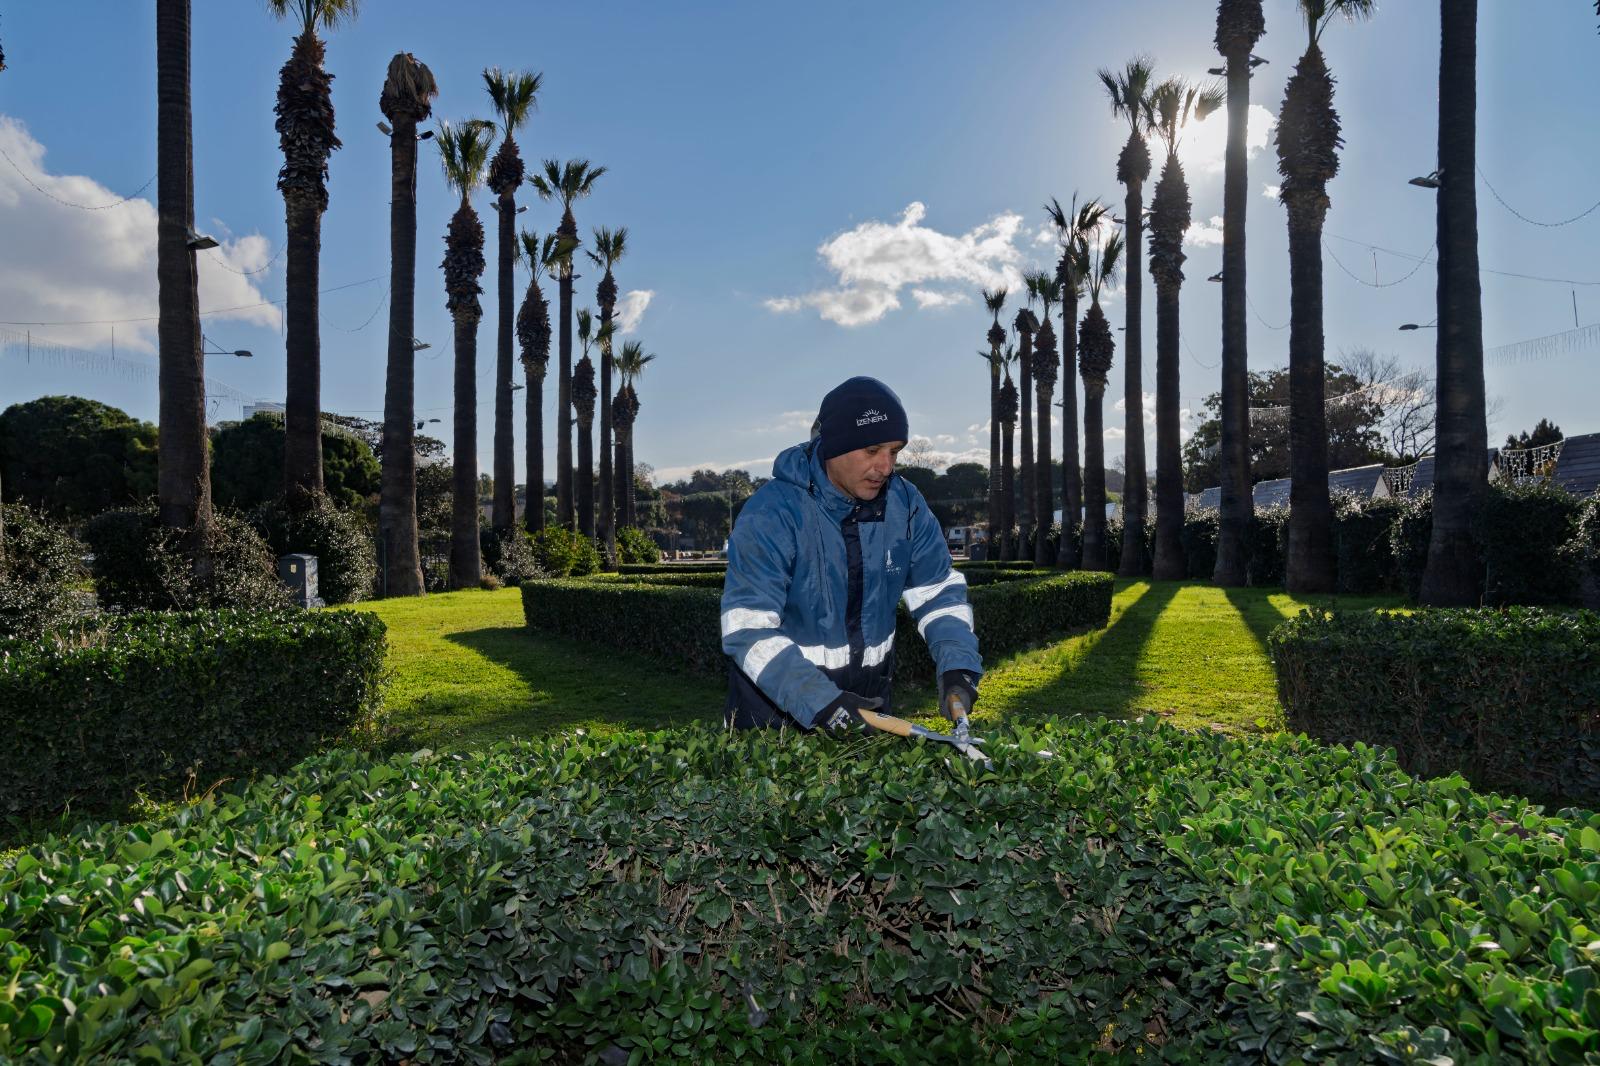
<point>853,586</point>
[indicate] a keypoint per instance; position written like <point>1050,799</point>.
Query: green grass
<point>467,673</point>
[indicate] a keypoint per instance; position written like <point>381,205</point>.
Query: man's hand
<point>958,691</point>
<point>842,717</point>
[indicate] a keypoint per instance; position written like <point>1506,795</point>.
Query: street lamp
<point>219,350</point>
<point>198,242</point>
<point>515,387</point>
<point>418,346</point>
<point>1427,181</point>
<point>425,422</point>
<point>1409,326</point>
<point>1215,277</point>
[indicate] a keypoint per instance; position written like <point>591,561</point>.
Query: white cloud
<point>1205,144</point>
<point>875,260</point>
<point>756,467</point>
<point>630,309</point>
<point>1205,233</point>
<point>927,298</point>
<point>1047,234</point>
<point>1271,191</point>
<point>64,263</point>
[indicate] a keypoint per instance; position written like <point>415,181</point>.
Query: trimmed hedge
<point>673,568</point>
<point>1510,699</point>
<point>679,620</point>
<point>1148,894</point>
<point>150,701</point>
<point>1526,531</point>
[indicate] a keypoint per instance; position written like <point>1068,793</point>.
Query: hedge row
<point>1148,894</point>
<point>680,622</point>
<point>673,568</point>
<point>159,702</point>
<point>1510,699</point>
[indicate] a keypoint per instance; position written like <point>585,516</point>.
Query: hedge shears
<point>961,739</point>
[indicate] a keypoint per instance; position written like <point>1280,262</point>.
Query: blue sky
<point>742,139</point>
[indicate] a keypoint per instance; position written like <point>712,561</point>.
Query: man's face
<point>861,473</point>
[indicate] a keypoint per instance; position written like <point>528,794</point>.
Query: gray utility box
<point>299,574</point>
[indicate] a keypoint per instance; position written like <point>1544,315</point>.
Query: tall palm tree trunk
<point>1008,496</point>
<point>1454,574</point>
<point>1308,563</point>
<point>564,510</point>
<point>583,397</point>
<point>183,474</point>
<point>466,564</point>
<point>533,414</point>
<point>1044,390</point>
<point>1024,499</point>
<point>1071,477</point>
<point>608,489</point>
<point>1094,476</point>
<point>1135,489</point>
<point>1240,25</point>
<point>1169,562</point>
<point>997,521</point>
<point>503,515</point>
<point>397,506</point>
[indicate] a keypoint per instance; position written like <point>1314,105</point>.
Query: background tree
<point>1174,103</point>
<point>1025,323</point>
<point>1044,384</point>
<point>1460,480</point>
<point>1240,24</point>
<point>406,100</point>
<point>609,246</point>
<point>1096,348</point>
<point>464,151</point>
<point>306,136</point>
<point>1073,229</point>
<point>72,458</point>
<point>568,183</point>
<point>247,465</point>
<point>533,337</point>
<point>1129,91</point>
<point>183,483</point>
<point>583,396</point>
<point>994,301</point>
<point>1308,158</point>
<point>1008,497</point>
<point>1546,432</point>
<point>514,94</point>
<point>631,361</point>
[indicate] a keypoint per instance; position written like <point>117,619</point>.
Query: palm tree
<point>583,394</point>
<point>1008,421</point>
<point>631,362</point>
<point>1130,99</point>
<point>183,483</point>
<point>1308,158</point>
<point>305,133</point>
<point>994,301</point>
<point>1453,573</point>
<point>1025,323</point>
<point>408,91</point>
<point>1095,351</point>
<point>1174,103</point>
<point>567,182</point>
<point>1072,269</point>
<point>514,94</point>
<point>1044,385</point>
<point>609,248</point>
<point>1240,25</point>
<point>533,337</point>
<point>464,149</point>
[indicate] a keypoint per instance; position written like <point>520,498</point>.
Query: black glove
<point>842,717</point>
<point>954,686</point>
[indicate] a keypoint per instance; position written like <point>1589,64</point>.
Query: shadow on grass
<point>1255,609</point>
<point>1104,679</point>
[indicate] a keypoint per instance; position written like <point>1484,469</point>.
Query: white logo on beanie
<point>870,416</point>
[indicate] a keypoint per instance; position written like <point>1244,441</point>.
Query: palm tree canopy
<point>514,94</point>
<point>1175,103</point>
<point>1318,13</point>
<point>1050,289</point>
<point>408,88</point>
<point>1074,227</point>
<point>533,318</point>
<point>609,246</point>
<point>632,360</point>
<point>1308,136</point>
<point>1129,90</point>
<point>567,182</point>
<point>330,14</point>
<point>1240,24</point>
<point>1101,261</point>
<point>464,152</point>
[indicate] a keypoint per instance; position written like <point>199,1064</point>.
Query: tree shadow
<point>1101,675</point>
<point>1255,609</point>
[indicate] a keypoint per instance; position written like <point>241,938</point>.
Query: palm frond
<point>330,14</point>
<point>1349,10</point>
<point>567,182</point>
<point>1059,218</point>
<point>1129,90</point>
<point>609,246</point>
<point>585,326</point>
<point>514,94</point>
<point>464,152</point>
<point>994,300</point>
<point>528,249</point>
<point>408,88</point>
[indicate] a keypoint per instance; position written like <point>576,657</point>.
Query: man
<point>817,562</point>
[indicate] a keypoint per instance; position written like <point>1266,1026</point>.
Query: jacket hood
<point>802,466</point>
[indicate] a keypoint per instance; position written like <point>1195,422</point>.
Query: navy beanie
<point>859,413</point>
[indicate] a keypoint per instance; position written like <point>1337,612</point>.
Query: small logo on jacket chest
<point>889,565</point>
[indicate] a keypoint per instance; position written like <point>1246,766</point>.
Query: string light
<point>1253,311</point>
<point>214,311</point>
<point>68,203</point>
<point>1533,221</point>
<point>1377,284</point>
<point>1544,347</point>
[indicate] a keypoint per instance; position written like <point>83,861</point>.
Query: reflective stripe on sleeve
<point>922,594</point>
<point>960,610</point>
<point>738,618</point>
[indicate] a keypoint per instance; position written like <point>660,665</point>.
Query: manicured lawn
<point>466,672</point>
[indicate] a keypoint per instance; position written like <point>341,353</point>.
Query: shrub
<point>1510,699</point>
<point>1410,536</point>
<point>1200,531</point>
<point>562,552</point>
<point>347,567</point>
<point>969,568</point>
<point>1267,544</point>
<point>1146,894</point>
<point>508,556</point>
<point>680,623</point>
<point>39,574</point>
<point>139,564</point>
<point>139,701</point>
<point>1364,543</point>
<point>635,546</point>
<point>1525,531</point>
<point>708,567</point>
